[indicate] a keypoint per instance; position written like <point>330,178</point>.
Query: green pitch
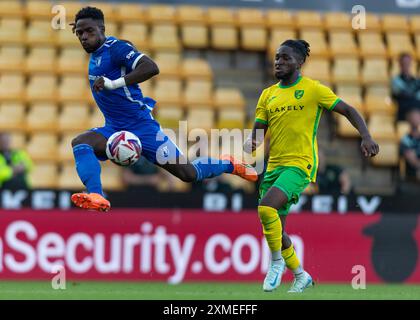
<point>198,291</point>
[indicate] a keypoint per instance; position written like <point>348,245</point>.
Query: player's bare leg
<point>86,147</point>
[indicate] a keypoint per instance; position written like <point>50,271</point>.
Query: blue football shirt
<point>124,107</point>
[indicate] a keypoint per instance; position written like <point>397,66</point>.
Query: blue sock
<point>88,168</point>
<point>211,167</point>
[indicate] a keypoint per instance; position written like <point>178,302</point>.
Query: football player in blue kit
<point>115,70</point>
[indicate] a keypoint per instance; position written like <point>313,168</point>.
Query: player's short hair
<point>90,12</point>
<point>301,47</point>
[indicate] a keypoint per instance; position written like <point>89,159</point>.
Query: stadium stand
<point>44,91</point>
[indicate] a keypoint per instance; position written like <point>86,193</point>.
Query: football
<point>123,148</point>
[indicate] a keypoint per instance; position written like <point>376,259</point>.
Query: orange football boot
<point>242,169</point>
<point>91,201</point>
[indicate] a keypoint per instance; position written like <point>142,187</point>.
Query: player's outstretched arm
<point>369,147</point>
<point>144,70</point>
<point>255,139</point>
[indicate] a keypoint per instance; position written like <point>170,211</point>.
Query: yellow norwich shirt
<point>292,114</point>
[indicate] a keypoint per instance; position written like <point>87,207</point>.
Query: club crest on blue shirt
<point>98,61</point>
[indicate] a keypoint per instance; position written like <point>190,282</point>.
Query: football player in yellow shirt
<point>291,110</point>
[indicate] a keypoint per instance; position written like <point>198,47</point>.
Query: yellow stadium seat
<point>66,38</point>
<point>17,139</point>
<point>41,59</point>
<point>111,29</point>
<point>196,69</point>
<point>345,128</point>
<point>129,12</point>
<point>44,175</point>
<point>399,42</point>
<point>71,9</point>
<point>253,30</point>
<point>74,88</point>
<point>74,116</point>
<point>68,178</point>
<point>12,116</point>
<point>371,44</point>
<point>229,98</point>
<point>137,33</point>
<point>379,102</point>
<point>403,128</point>
<point>72,60</point>
<point>168,56</point>
<point>42,117</point>
<point>40,32</point>
<point>12,58</point>
<point>417,41</point>
<point>355,100</point>
<point>111,176</point>
<point>276,38</point>
<point>231,119</point>
<point>318,69</point>
<point>146,87</point>
<point>198,93</point>
<point>348,89</point>
<point>337,21</point>
<point>164,37</point>
<point>279,19</point>
<point>388,155</point>
<point>192,21</point>
<point>41,87</point>
<point>97,118</point>
<point>168,69</point>
<point>12,86</point>
<point>395,22</point>
<point>160,13</point>
<point>346,70</point>
<point>11,9</point>
<point>168,92</point>
<point>12,31</point>
<point>200,118</point>
<point>169,116</point>
<point>224,33</point>
<point>382,127</point>
<point>107,9</point>
<point>308,20</point>
<point>342,43</point>
<point>375,71</point>
<point>317,42</point>
<point>38,9</point>
<point>65,150</point>
<point>373,22</point>
<point>415,24</point>
<point>42,147</point>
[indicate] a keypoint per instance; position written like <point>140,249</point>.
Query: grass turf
<point>199,291</point>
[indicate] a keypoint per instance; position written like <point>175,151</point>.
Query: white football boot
<point>273,278</point>
<point>301,282</point>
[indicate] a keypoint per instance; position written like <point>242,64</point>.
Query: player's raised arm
<point>369,147</point>
<point>138,67</point>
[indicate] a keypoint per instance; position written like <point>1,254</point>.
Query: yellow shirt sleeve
<point>261,111</point>
<point>326,97</point>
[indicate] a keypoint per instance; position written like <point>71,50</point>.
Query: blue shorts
<point>156,145</point>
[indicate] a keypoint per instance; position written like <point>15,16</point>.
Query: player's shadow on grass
<point>394,250</point>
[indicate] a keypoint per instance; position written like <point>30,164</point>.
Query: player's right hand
<point>250,145</point>
<point>99,84</point>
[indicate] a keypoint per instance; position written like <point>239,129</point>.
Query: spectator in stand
<point>14,165</point>
<point>410,146</point>
<point>331,179</point>
<point>405,87</point>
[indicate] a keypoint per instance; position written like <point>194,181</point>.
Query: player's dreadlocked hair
<point>90,12</point>
<point>299,46</point>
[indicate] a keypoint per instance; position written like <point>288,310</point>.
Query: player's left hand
<point>369,147</point>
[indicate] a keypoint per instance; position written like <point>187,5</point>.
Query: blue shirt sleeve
<point>124,54</point>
